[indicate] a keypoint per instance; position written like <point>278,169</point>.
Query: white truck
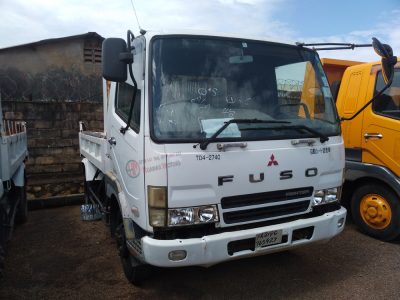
<point>13,204</point>
<point>214,148</point>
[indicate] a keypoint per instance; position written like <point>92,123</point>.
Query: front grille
<point>265,198</point>
<point>261,213</point>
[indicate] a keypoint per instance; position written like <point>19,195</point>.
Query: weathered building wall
<point>40,58</point>
<point>81,52</point>
<point>53,168</point>
<point>66,68</point>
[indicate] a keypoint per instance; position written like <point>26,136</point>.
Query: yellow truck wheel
<point>376,211</point>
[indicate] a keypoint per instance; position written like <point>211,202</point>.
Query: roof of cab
<point>340,62</point>
<point>216,34</point>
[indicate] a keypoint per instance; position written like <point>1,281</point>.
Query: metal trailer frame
<point>13,153</point>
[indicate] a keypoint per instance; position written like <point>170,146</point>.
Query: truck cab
<point>372,143</point>
<point>231,148</point>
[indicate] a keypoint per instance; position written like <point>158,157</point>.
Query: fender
<point>90,169</point>
<point>113,188</point>
<point>356,170</point>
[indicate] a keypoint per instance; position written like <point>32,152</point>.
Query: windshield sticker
<point>323,150</point>
<point>211,126</point>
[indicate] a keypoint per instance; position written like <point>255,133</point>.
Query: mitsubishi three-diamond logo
<point>272,161</point>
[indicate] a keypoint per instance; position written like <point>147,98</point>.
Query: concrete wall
<point>53,168</point>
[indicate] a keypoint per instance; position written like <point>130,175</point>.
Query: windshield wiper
<point>322,137</point>
<point>205,143</point>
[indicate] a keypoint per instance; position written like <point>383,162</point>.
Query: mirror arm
<point>370,101</point>
<point>124,129</point>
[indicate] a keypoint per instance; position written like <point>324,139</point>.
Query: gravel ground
<point>57,256</point>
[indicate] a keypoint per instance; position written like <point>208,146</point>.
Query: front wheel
<point>135,271</point>
<point>376,211</point>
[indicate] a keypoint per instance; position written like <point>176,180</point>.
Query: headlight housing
<point>193,215</point>
<point>157,199</point>
<point>326,196</point>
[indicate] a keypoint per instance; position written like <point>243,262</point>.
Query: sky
<point>352,21</point>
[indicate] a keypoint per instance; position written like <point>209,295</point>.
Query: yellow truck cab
<point>372,144</point>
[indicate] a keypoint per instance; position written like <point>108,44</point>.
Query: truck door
<point>126,149</point>
<point>381,127</point>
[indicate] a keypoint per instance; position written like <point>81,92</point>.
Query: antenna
<point>142,31</point>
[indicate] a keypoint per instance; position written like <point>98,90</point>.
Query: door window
<point>388,104</point>
<point>123,104</point>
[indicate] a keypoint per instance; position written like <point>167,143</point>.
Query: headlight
<point>327,196</point>
<point>192,215</point>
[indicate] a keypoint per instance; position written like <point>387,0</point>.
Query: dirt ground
<point>58,256</point>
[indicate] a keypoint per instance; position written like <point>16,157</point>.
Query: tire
<point>376,211</point>
<point>135,271</point>
<point>3,239</point>
<point>22,209</point>
<point>6,228</point>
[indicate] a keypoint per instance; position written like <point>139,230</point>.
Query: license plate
<point>268,238</point>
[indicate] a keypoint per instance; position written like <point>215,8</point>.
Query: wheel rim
<point>375,211</point>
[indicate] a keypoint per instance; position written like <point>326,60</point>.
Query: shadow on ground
<point>56,255</point>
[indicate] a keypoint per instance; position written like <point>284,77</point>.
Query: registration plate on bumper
<point>268,238</point>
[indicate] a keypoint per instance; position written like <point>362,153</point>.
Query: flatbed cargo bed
<point>13,151</point>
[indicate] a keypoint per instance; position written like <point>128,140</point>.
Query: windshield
<point>198,84</point>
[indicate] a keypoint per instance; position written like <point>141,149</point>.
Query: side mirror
<point>388,60</point>
<point>115,57</point>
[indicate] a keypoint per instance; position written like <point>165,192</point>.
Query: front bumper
<point>213,249</point>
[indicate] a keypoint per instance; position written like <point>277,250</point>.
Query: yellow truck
<point>372,143</point>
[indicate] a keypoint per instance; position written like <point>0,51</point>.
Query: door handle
<point>368,136</point>
<point>112,141</point>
